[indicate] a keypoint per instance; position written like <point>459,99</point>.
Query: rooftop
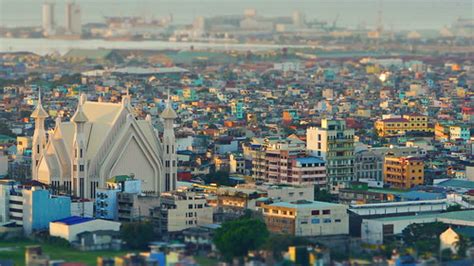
<point>458,215</point>
<point>303,204</point>
<point>73,220</point>
<point>457,183</point>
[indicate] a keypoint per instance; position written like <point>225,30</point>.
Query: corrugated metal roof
<point>74,220</point>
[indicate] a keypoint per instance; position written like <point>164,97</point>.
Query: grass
<point>205,261</point>
<point>55,252</point>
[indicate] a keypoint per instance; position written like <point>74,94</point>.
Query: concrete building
<point>359,212</point>
<point>375,230</point>
<point>31,207</point>
<point>445,131</point>
<point>288,193</point>
<point>70,227</point>
<point>369,162</point>
<point>106,203</point>
<point>237,164</point>
<point>73,24</point>
<point>334,142</point>
<point>396,126</point>
<point>307,218</point>
<point>180,210</point>
<point>48,23</point>
<point>403,172</point>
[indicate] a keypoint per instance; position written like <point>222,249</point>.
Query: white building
<point>48,19</point>
<point>307,218</point>
<point>73,18</point>
<point>181,210</point>
<point>373,231</point>
<point>334,142</point>
<point>100,141</point>
<point>69,228</point>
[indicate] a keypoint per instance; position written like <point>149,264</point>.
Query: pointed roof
<point>168,113</point>
<point>39,112</point>
<point>79,116</point>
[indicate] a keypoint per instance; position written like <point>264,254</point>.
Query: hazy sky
<point>399,14</point>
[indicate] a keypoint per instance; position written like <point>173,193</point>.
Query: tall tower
<point>73,18</point>
<point>79,167</point>
<point>169,146</point>
<point>39,136</point>
<point>48,18</point>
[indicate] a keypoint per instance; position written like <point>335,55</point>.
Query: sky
<point>396,14</point>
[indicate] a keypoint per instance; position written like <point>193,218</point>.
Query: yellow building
<point>403,172</point>
<point>401,125</point>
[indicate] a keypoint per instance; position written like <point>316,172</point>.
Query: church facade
<point>100,141</point>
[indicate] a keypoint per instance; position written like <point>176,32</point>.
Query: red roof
<point>395,120</point>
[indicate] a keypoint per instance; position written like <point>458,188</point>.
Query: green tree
<point>423,237</point>
<point>236,238</point>
<point>219,178</point>
<point>278,244</point>
<point>137,235</point>
<point>462,245</point>
<point>454,208</point>
<point>5,130</point>
<point>322,195</point>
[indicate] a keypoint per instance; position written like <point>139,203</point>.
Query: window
<point>199,206</point>
<point>326,212</point>
<point>81,168</point>
<point>80,153</point>
<point>190,206</point>
<point>315,212</point>
<point>337,220</point>
<point>315,221</point>
<point>327,221</point>
<point>304,222</point>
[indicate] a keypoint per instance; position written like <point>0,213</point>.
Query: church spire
<point>79,170</point>
<point>79,116</point>
<point>39,135</point>
<point>169,146</point>
<point>169,112</point>
<point>39,112</point>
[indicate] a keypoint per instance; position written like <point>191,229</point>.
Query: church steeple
<point>39,136</point>
<point>169,146</point>
<point>79,167</point>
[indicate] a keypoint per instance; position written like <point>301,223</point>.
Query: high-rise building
<point>48,18</point>
<point>73,18</point>
<point>334,142</point>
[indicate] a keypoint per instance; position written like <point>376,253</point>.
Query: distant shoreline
<point>44,46</point>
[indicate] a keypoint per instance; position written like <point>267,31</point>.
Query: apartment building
<point>334,142</point>
<point>180,210</point>
<point>369,163</point>
<point>307,218</point>
<point>284,161</point>
<point>31,207</point>
<point>403,172</point>
<point>445,131</point>
<point>397,126</point>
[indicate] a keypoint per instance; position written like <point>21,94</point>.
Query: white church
<point>100,141</point>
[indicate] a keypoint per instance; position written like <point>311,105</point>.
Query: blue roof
<point>74,220</point>
<point>421,195</point>
<point>457,183</point>
<point>309,160</point>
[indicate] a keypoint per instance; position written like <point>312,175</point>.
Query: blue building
<point>40,208</point>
